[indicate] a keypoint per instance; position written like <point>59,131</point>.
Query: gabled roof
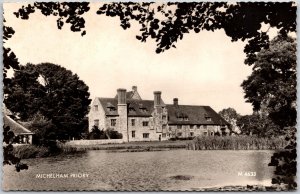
<point>135,107</point>
<point>188,114</point>
<point>15,127</point>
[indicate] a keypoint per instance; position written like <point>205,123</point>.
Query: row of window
<point>146,135</point>
<point>113,122</point>
<point>192,126</point>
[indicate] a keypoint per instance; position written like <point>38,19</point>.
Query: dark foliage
<point>259,125</point>
<point>53,92</point>
<point>96,133</point>
<point>9,157</point>
<point>9,58</point>
<point>286,162</point>
<point>271,88</point>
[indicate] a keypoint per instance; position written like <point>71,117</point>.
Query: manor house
<point>151,120</point>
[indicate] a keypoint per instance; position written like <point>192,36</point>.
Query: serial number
<point>247,173</point>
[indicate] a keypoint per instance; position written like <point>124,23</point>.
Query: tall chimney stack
<point>121,96</point>
<point>175,101</point>
<point>134,88</point>
<point>122,125</point>
<point>157,98</point>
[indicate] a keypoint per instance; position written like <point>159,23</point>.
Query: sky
<point>205,68</point>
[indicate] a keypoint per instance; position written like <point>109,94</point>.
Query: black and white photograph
<point>149,96</point>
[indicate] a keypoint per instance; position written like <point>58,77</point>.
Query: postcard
<point>149,96</point>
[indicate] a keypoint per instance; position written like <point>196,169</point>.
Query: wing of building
<point>24,135</point>
<point>152,120</point>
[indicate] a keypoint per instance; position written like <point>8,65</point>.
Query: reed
<point>30,151</point>
<point>236,143</point>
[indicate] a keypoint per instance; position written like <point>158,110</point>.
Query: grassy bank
<point>236,143</point>
<point>131,146</point>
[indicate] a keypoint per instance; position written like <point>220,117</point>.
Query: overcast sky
<point>205,68</point>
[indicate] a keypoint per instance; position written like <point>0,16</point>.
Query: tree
<point>51,91</point>
<point>9,157</point>
<point>231,116</point>
<point>272,85</point>
<point>9,58</point>
<point>271,88</point>
<point>257,125</point>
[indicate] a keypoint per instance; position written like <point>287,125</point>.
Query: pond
<point>161,170</point>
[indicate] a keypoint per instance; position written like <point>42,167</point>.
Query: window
<point>163,126</point>
<point>164,117</point>
<point>192,134</point>
<point>208,118</point>
<point>179,134</point>
<point>179,126</point>
<point>145,123</point>
<point>133,134</point>
<point>145,135</point>
<point>204,126</point>
<point>205,133</point>
<point>186,118</point>
<point>132,122</point>
<point>113,122</point>
<point>96,122</point>
<point>211,133</point>
<point>191,126</point>
<point>96,107</point>
<point>164,135</point>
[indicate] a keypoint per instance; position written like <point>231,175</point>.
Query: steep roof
<point>188,114</point>
<point>15,127</point>
<point>136,107</point>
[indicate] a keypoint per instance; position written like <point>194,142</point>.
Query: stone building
<point>152,120</point>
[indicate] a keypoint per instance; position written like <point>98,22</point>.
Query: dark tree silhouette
<point>9,58</point>
<point>51,91</point>
<point>271,88</point>
<point>9,157</point>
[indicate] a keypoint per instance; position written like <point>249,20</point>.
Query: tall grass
<point>31,151</point>
<point>236,143</point>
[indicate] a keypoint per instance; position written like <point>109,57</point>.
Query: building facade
<point>153,120</point>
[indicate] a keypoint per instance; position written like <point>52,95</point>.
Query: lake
<point>160,170</point>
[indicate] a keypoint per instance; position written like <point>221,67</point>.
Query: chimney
<point>175,101</point>
<point>121,96</point>
<point>134,88</point>
<point>157,98</point>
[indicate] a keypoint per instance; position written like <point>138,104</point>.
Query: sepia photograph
<point>149,96</point>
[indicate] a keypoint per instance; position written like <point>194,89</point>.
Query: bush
<point>31,151</point>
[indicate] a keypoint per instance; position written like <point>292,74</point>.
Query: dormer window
<point>186,118</point>
<point>95,107</point>
<point>131,109</point>
<point>111,108</point>
<point>208,118</point>
<point>143,109</point>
